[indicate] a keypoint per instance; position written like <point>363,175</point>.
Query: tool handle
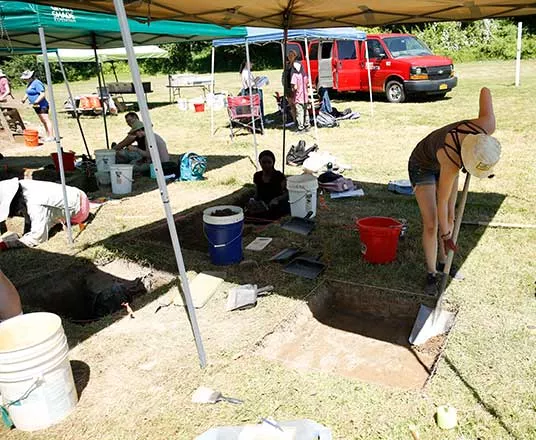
<point>232,400</point>
<point>264,290</point>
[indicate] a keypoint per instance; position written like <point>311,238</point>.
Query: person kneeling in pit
<point>41,205</point>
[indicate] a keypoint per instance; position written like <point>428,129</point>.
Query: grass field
<point>137,376</point>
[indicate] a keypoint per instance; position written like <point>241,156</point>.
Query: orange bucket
<point>31,138</point>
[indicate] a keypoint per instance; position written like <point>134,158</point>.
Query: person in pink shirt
<point>298,82</point>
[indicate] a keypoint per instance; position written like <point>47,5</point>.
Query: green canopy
<point>104,55</point>
<point>69,28</point>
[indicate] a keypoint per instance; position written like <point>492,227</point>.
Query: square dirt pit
<point>359,332</point>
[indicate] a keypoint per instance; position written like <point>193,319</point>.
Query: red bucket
<point>68,161</point>
<point>379,238</point>
<point>199,107</point>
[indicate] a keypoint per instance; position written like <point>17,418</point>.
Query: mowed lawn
<point>141,372</point>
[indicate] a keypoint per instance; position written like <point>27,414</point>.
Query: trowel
<point>245,296</point>
<point>208,395</point>
<point>433,322</point>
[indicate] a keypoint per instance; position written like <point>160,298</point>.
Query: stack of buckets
<point>108,172</point>
<point>224,234</point>
<point>36,380</point>
<point>379,238</point>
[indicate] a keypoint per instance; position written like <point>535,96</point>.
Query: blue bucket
<point>224,234</point>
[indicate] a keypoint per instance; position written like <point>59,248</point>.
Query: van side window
<point>326,50</point>
<point>375,49</point>
<point>346,50</point>
<point>313,51</point>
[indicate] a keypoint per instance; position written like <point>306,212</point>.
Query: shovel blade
<point>426,327</point>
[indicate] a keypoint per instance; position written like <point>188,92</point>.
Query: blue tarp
<point>267,35</point>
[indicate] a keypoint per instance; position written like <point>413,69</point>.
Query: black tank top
<point>424,154</point>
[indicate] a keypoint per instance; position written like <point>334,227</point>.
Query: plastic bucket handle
<point>224,244</point>
<point>119,173</point>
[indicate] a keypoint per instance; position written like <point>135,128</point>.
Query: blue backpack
<point>192,166</point>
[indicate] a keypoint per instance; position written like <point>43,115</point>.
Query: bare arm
<point>449,172</point>
<point>129,140</point>
<point>9,299</point>
<point>486,115</point>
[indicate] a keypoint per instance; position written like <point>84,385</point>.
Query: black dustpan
<point>285,255</point>
<point>302,226</point>
<point>306,267</point>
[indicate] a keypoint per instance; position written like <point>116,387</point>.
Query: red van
<point>401,66</point>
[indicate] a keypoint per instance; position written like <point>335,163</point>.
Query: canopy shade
<point>266,35</point>
<point>119,54</point>
<point>294,14</point>
<point>68,28</point>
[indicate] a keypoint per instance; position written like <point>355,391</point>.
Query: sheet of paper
<point>259,244</point>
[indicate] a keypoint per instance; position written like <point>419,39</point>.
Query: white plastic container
<point>103,178</point>
<point>36,380</point>
<point>121,178</point>
<point>302,195</point>
<point>182,103</point>
<point>104,158</point>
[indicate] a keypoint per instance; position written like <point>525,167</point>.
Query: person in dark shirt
<point>433,169</point>
<point>271,195</point>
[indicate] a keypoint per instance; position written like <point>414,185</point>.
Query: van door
<point>347,65</point>
<point>377,57</point>
<point>325,67</point>
<point>313,61</point>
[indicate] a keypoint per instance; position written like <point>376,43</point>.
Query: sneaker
<point>49,139</point>
<point>454,272</point>
<point>431,287</point>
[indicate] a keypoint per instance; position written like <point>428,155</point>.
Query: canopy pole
<point>155,157</point>
<point>284,101</point>
<point>57,137</point>
<point>73,103</point>
<point>518,52</point>
<point>311,89</point>
<point>369,80</point>
<point>212,90</point>
<point>255,150</point>
<point>97,64</point>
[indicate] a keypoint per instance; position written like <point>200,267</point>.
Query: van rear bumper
<point>431,86</point>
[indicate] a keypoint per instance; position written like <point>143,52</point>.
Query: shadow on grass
<point>489,408</point>
<point>55,282</point>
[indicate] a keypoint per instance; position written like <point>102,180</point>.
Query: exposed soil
<point>223,212</point>
<point>352,343</point>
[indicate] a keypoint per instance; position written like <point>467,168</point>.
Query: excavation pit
<point>359,332</point>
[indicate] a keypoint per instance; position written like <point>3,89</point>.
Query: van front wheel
<point>394,91</point>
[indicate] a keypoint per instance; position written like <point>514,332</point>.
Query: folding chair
<point>240,117</point>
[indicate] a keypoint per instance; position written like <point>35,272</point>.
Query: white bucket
<point>103,178</point>
<point>104,158</point>
<point>36,380</point>
<point>182,103</point>
<point>121,177</point>
<point>302,195</point>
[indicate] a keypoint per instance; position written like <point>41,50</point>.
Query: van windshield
<point>406,46</point>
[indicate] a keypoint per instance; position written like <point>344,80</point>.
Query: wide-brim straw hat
<point>8,189</point>
<point>480,154</point>
<point>27,74</point>
<point>138,125</point>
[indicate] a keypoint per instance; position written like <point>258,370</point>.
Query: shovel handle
<point>232,400</point>
<point>265,289</point>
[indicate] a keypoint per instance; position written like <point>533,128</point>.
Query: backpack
<point>298,153</point>
<point>192,166</point>
<point>340,184</point>
<point>324,119</point>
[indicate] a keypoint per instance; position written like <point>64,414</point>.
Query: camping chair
<point>240,117</point>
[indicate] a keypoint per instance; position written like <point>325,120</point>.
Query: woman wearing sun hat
<point>433,168</point>
<point>35,94</point>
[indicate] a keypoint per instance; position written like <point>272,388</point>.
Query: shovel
<point>433,322</point>
<point>208,395</point>
<point>245,296</point>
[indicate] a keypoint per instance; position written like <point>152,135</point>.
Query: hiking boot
<point>431,288</point>
<point>454,272</point>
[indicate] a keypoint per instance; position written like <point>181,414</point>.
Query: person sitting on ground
<point>10,305</point>
<point>41,205</point>
<point>35,94</point>
<point>271,195</point>
<point>433,170</point>
<point>120,147</point>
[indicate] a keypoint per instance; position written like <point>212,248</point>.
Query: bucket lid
<point>27,330</point>
<point>302,181</point>
<point>211,219</point>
